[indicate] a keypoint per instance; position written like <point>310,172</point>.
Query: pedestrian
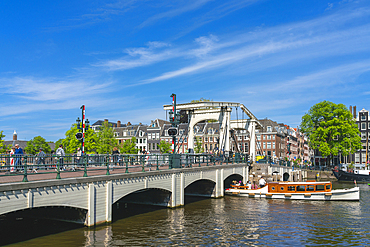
<point>79,156</point>
<point>115,154</point>
<point>40,158</point>
<point>60,154</point>
<point>18,157</point>
<point>262,182</point>
<point>12,151</point>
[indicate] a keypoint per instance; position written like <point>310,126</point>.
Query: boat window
<point>301,188</point>
<point>291,188</point>
<point>320,187</point>
<point>273,188</point>
<point>328,186</point>
<point>310,188</point>
<point>281,188</point>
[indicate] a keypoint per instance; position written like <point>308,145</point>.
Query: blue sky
<point>123,59</point>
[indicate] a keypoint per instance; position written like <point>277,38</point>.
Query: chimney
<point>105,120</point>
<point>354,112</point>
<point>118,124</point>
<point>350,110</point>
<point>15,136</point>
<point>128,124</point>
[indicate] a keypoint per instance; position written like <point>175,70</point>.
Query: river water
<point>232,221</point>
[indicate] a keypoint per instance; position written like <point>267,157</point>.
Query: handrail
<point>71,165</point>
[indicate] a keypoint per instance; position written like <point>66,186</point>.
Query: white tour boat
<point>309,190</point>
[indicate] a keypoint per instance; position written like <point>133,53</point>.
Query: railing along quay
<point>15,168</point>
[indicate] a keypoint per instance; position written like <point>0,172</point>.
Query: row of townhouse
<point>274,140</point>
<point>361,157</point>
<point>279,141</point>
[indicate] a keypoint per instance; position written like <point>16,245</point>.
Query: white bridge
<point>92,200</point>
<point>220,111</point>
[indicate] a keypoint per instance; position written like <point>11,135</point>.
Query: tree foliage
<point>70,143</point>
<point>129,146</point>
<point>35,144</point>
<point>331,129</point>
<point>105,138</point>
<point>198,146</point>
<point>164,147</point>
<point>3,148</point>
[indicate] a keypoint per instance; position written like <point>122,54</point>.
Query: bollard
<point>107,161</point>
<point>85,166</point>
<point>25,170</point>
<point>157,163</point>
<point>142,163</point>
<point>58,169</point>
<point>126,161</point>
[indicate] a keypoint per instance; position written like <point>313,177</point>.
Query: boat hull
<point>352,194</point>
<point>349,176</point>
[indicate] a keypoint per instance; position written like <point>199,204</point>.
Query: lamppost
<point>174,120</point>
<point>84,127</point>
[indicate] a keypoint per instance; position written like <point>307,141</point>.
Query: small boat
<point>309,190</point>
<point>360,176</point>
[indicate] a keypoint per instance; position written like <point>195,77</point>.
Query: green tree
<point>35,144</point>
<point>105,138</point>
<point>57,143</point>
<point>331,129</point>
<point>129,146</point>
<point>198,146</point>
<point>70,143</point>
<point>3,148</point>
<point>164,147</point>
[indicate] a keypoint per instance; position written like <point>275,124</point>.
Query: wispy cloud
<point>38,94</point>
<point>184,7</point>
<point>308,38</point>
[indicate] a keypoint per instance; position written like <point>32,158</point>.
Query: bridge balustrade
<point>25,167</point>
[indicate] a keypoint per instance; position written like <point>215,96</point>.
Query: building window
<point>116,134</point>
<point>369,125</point>
<point>264,145</point>
<point>273,137</point>
<point>269,145</point>
<point>268,137</point>
<point>363,126</point>
<point>268,128</point>
<point>246,148</point>
<point>363,117</point>
<point>263,137</point>
<point>166,132</point>
<point>258,137</point>
<point>273,153</point>
<point>246,137</point>
<point>363,136</point>
<point>363,158</point>
<point>239,138</point>
<point>157,136</point>
<point>357,157</point>
<point>273,145</point>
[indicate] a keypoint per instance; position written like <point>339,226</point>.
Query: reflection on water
<point>232,221</point>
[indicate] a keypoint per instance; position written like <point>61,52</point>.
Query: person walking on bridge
<point>60,153</point>
<point>18,157</point>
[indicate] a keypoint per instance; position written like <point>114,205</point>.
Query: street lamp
<point>84,127</point>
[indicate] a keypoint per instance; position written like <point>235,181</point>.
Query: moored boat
<point>309,190</point>
<point>361,176</point>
